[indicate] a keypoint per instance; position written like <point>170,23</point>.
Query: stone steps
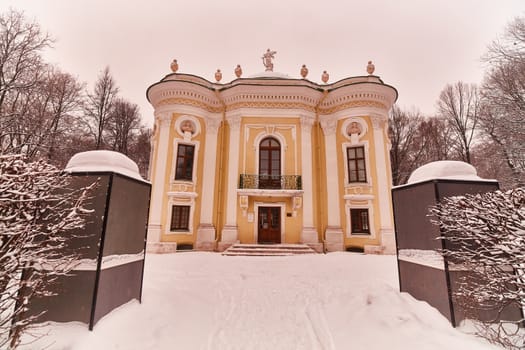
<point>268,250</point>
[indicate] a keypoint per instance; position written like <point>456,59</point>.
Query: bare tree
<point>21,70</point>
<point>485,234</point>
<point>65,101</point>
<point>99,105</point>
<point>416,140</point>
<point>460,105</point>
<point>503,113</point>
<point>509,47</point>
<point>403,133</point>
<point>37,215</point>
<point>122,124</point>
<point>140,150</point>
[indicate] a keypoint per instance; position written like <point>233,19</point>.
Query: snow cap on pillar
<point>97,161</point>
<point>444,169</point>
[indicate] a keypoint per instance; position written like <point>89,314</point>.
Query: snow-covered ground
<point>208,301</point>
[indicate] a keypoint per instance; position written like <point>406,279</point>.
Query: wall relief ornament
<point>187,126</point>
<point>353,128</point>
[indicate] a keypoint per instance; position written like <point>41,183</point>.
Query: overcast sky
<point>418,46</point>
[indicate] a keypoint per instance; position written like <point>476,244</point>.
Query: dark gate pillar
<point>112,247</point>
<point>423,273</point>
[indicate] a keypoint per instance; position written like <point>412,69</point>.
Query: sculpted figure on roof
<point>267,58</point>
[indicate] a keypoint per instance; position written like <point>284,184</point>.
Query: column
<point>379,123</point>
<point>163,121</point>
<point>334,240</point>
<point>229,233</point>
<point>309,233</point>
<point>206,230</point>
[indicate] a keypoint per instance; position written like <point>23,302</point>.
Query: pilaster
<point>230,233</point>
<point>163,121</point>
<point>379,123</point>
<point>206,229</point>
<point>309,233</point>
<point>334,240</point>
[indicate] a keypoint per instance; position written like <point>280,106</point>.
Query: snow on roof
<point>445,169</point>
<point>270,74</point>
<point>95,161</point>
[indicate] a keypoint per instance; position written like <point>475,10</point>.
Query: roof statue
<point>267,59</point>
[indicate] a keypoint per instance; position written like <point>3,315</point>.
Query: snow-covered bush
<point>485,235</point>
<point>38,215</point>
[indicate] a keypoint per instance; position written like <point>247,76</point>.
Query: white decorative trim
<point>208,173</point>
<point>256,206</point>
<point>234,122</point>
<point>378,120</point>
<point>347,182</point>
<point>180,198</point>
<point>256,145</point>
<point>359,197</point>
<point>359,204</point>
<point>332,183</point>
<point>233,173</point>
<point>212,125</point>
<point>269,193</point>
<point>158,174</point>
<point>329,126</point>
<point>176,143</point>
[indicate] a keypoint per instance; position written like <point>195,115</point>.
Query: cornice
<point>300,94</point>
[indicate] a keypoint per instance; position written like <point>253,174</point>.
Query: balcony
<point>270,182</point>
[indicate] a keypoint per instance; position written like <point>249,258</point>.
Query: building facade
<point>271,159</point>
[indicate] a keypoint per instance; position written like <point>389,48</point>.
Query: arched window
<point>269,163</point>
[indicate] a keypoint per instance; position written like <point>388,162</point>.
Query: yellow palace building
<point>271,159</point>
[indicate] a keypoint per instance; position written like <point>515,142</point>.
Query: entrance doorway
<point>269,225</point>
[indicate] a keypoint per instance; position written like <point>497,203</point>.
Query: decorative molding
<point>270,105</point>
<point>190,102</point>
<point>378,121</point>
<point>329,126</point>
<point>212,125</point>
<point>353,104</point>
<point>234,123</point>
<point>164,119</point>
<point>306,123</point>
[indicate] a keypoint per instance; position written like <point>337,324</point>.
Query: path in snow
<point>209,301</point>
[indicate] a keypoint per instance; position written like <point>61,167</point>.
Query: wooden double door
<point>269,225</point>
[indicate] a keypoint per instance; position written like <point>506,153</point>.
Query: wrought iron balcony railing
<point>270,182</point>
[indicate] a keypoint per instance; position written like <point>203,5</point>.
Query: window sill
<point>178,233</point>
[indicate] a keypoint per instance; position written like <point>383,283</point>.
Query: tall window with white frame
<point>185,156</point>
<point>359,219</point>
<point>270,164</point>
<point>356,164</point>
<point>180,218</point>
